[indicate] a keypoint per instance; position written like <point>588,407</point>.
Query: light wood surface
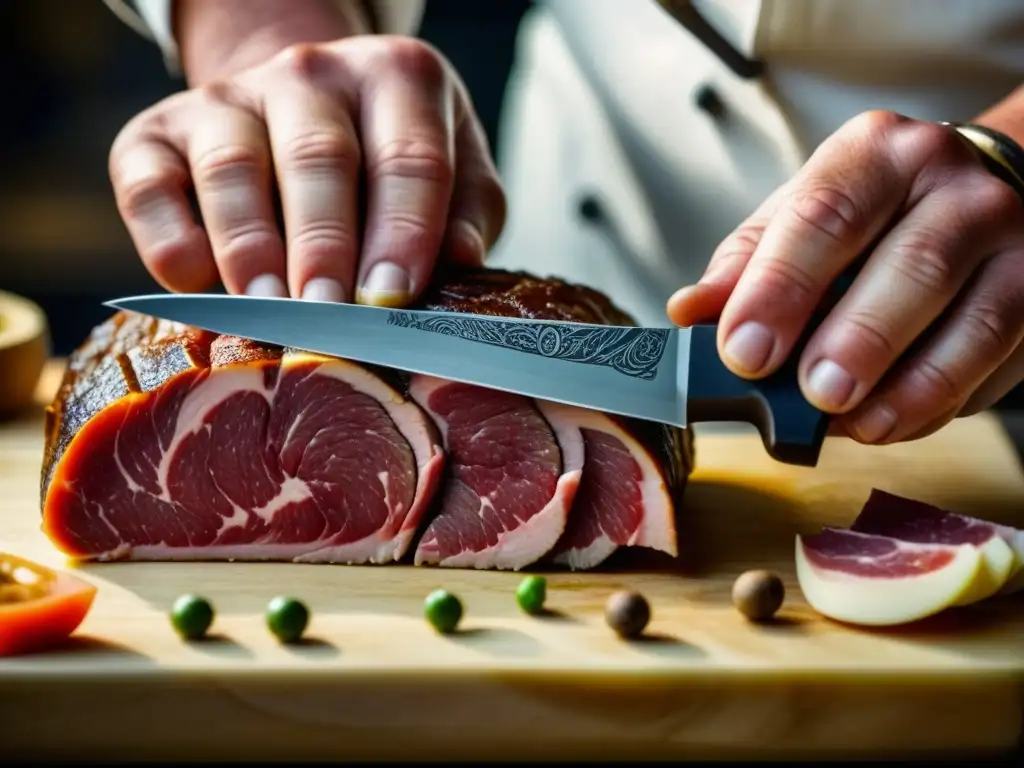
<point>374,681</point>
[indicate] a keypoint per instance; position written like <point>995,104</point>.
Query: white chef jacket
<point>601,106</point>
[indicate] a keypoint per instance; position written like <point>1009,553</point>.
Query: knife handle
<point>792,429</point>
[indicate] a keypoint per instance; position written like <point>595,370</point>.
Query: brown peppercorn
<point>627,613</point>
<point>758,595</point>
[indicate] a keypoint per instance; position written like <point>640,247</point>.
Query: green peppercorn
<point>443,610</point>
<point>531,594</point>
<point>287,618</point>
<point>191,616</point>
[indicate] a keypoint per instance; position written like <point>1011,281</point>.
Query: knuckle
<point>411,234</point>
<point>137,197</point>
<point>166,256</point>
<point>221,93</point>
<point>406,221</point>
<point>786,281</point>
<point>734,252</point>
<point>873,336</point>
<point>129,135</point>
<point>726,263</point>
<point>228,163</point>
<point>413,159</point>
<point>746,239</point>
<point>990,327</point>
<point>928,265</point>
<point>939,149</point>
<point>245,233</point>
<point>417,59</point>
<point>940,386</point>
<point>306,61</point>
<point>147,126</point>
<point>245,245</point>
<point>827,211</point>
<point>333,149</point>
<point>995,200</point>
<point>323,239</point>
<point>937,140</point>
<point>877,122</point>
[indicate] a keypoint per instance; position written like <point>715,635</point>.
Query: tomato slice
<point>39,607</point>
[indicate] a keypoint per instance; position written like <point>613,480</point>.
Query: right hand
<point>324,119</point>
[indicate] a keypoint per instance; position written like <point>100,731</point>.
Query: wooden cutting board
<point>374,681</point>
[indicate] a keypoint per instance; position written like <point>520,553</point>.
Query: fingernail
<point>387,285</point>
<point>323,289</point>
<point>267,286</point>
<point>876,424</point>
<point>829,385</point>
<point>750,346</point>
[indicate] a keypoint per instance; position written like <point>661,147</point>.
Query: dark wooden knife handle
<point>793,430</point>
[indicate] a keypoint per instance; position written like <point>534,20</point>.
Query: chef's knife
<point>668,375</point>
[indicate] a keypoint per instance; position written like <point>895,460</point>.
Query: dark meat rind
<point>501,293</point>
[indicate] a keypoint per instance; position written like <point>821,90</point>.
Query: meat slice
<point>867,579</point>
<point>171,443</point>
<point>510,481</point>
<point>909,520</point>
<point>624,498</point>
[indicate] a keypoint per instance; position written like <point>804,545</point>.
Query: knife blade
<point>667,375</point>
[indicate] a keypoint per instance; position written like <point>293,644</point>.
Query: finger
<point>706,299</point>
<point>933,426</point>
<point>837,205</point>
<point>478,207</point>
<point>913,274</point>
<point>230,161</point>
<point>980,333</point>
<point>317,161</point>
<point>408,140</point>
<point>150,180</point>
<point>1006,377</point>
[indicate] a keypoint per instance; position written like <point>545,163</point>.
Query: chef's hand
<point>944,240</point>
<point>386,117</point>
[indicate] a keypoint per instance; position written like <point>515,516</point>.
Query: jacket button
<point>707,100</point>
<point>590,209</point>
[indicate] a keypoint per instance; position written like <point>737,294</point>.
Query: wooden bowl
<point>24,348</point>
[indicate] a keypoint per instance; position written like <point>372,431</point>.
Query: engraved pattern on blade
<point>634,352</point>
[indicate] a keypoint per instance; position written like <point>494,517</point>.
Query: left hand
<point>944,241</point>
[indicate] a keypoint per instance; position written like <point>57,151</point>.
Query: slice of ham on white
<point>623,499</point>
<point>1001,547</point>
<point>861,578</point>
<point>510,481</point>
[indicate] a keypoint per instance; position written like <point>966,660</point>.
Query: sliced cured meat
<point>173,443</point>
<point>169,443</point>
<point>915,521</point>
<point>624,498</point>
<point>589,542</point>
<point>867,579</point>
<point>509,484</point>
